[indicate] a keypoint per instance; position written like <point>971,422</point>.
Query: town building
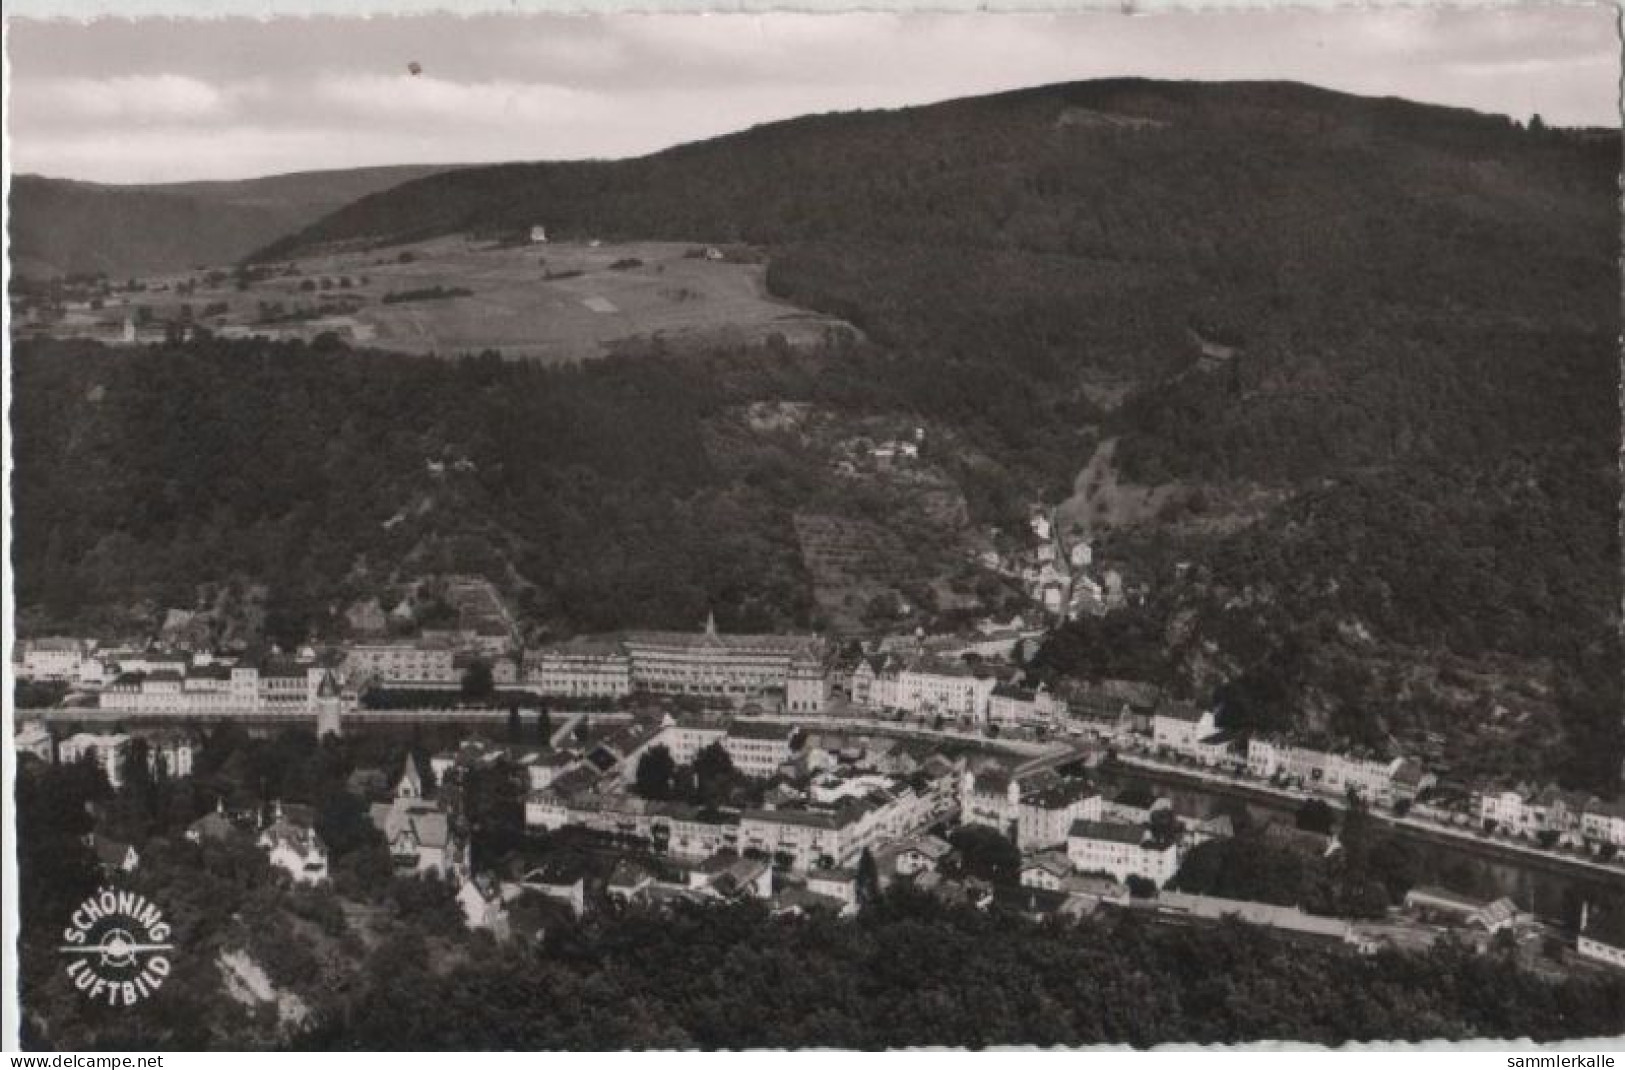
<point>215,688</point>
<point>689,834</point>
<point>484,906</point>
<point>727,876</point>
<point>558,880</point>
<point>1046,813</point>
<point>585,667</point>
<point>1009,706</point>
<point>1179,726</point>
<point>113,856</point>
<point>1592,946</point>
<point>32,737</point>
<point>736,669</point>
<point>107,750</point>
<point>1505,809</point>
<point>759,749</point>
<point>1122,851</point>
<point>417,831</point>
<point>732,668</point>
<point>292,846</point>
<point>1440,904</point>
<point>838,884</point>
<point>991,797</point>
<point>1326,772</point>
<point>172,752</point>
<point>1047,870</point>
<point>399,663</point>
<point>57,659</point>
<point>925,685</point>
<point>813,837</point>
<point>1603,822</point>
<point>212,827</point>
<point>921,854</point>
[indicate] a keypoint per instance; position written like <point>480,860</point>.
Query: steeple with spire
<point>410,786</point>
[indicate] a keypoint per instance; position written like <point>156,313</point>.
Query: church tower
<point>329,707</point>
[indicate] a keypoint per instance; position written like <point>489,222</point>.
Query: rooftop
<point>587,646</point>
<point>1180,711</point>
<point>760,730</point>
<point>1109,831</point>
<point>1058,794</point>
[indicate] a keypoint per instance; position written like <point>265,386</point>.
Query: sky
<point>157,100</point>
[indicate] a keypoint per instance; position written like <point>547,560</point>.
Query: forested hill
<point>1388,280</point>
<point>1094,222</point>
<point>61,227</point>
<point>1119,169</point>
<point>1359,355</point>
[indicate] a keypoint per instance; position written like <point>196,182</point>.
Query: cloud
<point>131,98</point>
<point>232,98</point>
<point>423,98</point>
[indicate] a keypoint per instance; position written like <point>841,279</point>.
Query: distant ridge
<point>64,227</point>
<point>816,176</point>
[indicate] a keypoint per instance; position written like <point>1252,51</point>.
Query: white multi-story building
<point>1507,810</point>
<point>1046,814</point>
<point>686,834</point>
<point>106,749</point>
<point>735,668</point>
<point>807,687</point>
<point>175,750</point>
<point>836,836</point>
<point>925,686</point>
<point>55,659</point>
<point>1332,774</point>
<point>149,661</point>
<point>111,752</point>
<point>864,675</point>
<point>1603,822</point>
<point>1009,706</point>
<point>991,798</point>
<point>591,667</point>
<point>1179,727</point>
<point>708,664</point>
<point>1123,851</point>
<point>400,663</point>
<point>1035,815</point>
<point>758,750</point>
<point>210,689</point>
<point>93,674</point>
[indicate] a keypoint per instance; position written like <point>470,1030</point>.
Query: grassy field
<point>551,302</point>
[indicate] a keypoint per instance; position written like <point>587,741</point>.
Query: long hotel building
<point>704,664</point>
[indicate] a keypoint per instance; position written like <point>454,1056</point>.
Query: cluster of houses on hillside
<point>1060,573</point>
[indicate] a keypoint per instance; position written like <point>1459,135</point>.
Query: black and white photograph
<point>865,531</point>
